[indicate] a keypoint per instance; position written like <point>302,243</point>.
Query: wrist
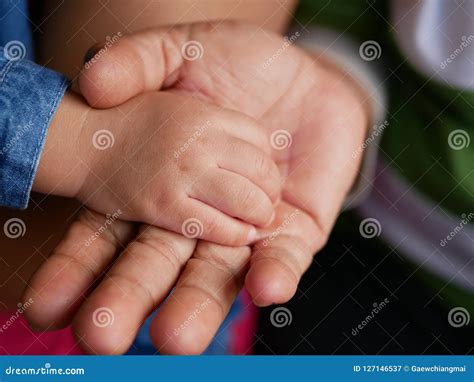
<point>361,73</point>
<point>65,160</point>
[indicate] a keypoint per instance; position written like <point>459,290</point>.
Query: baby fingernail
<point>272,218</point>
<point>252,235</point>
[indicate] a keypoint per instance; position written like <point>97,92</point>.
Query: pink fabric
<point>244,327</point>
<point>16,338</point>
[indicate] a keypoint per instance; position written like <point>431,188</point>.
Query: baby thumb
<point>126,66</point>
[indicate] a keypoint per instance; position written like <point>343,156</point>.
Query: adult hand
<point>315,115</point>
<point>298,99</point>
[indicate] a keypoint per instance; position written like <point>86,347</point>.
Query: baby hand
<point>170,160</point>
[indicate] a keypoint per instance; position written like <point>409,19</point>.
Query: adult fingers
<point>279,261</point>
<point>319,175</point>
<point>59,286</point>
<point>190,317</point>
<point>140,279</point>
<point>136,63</point>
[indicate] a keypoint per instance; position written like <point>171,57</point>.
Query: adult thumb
<point>126,66</point>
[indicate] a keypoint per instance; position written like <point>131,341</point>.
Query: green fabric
<point>422,113</point>
<point>354,17</point>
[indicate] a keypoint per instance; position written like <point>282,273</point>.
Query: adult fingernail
<point>90,54</point>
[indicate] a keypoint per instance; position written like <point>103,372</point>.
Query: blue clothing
<point>29,97</point>
<point>14,25</point>
<point>220,345</point>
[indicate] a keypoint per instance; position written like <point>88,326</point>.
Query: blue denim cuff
<point>29,97</point>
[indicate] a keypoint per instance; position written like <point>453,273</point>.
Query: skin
<point>326,116</point>
<point>142,176</point>
<point>67,29</point>
<point>63,32</point>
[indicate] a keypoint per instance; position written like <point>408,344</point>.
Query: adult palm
<point>315,118</point>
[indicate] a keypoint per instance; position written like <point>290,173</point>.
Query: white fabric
<point>432,238</point>
<point>437,38</point>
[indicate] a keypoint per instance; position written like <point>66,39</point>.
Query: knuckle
<point>80,265</point>
<point>163,249</point>
<point>232,273</point>
<point>89,223</point>
<point>248,198</point>
<point>212,226</point>
<point>134,287</point>
<point>170,195</point>
<point>183,164</point>
<point>262,165</point>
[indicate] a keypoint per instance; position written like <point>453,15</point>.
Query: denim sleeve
<point>29,97</point>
